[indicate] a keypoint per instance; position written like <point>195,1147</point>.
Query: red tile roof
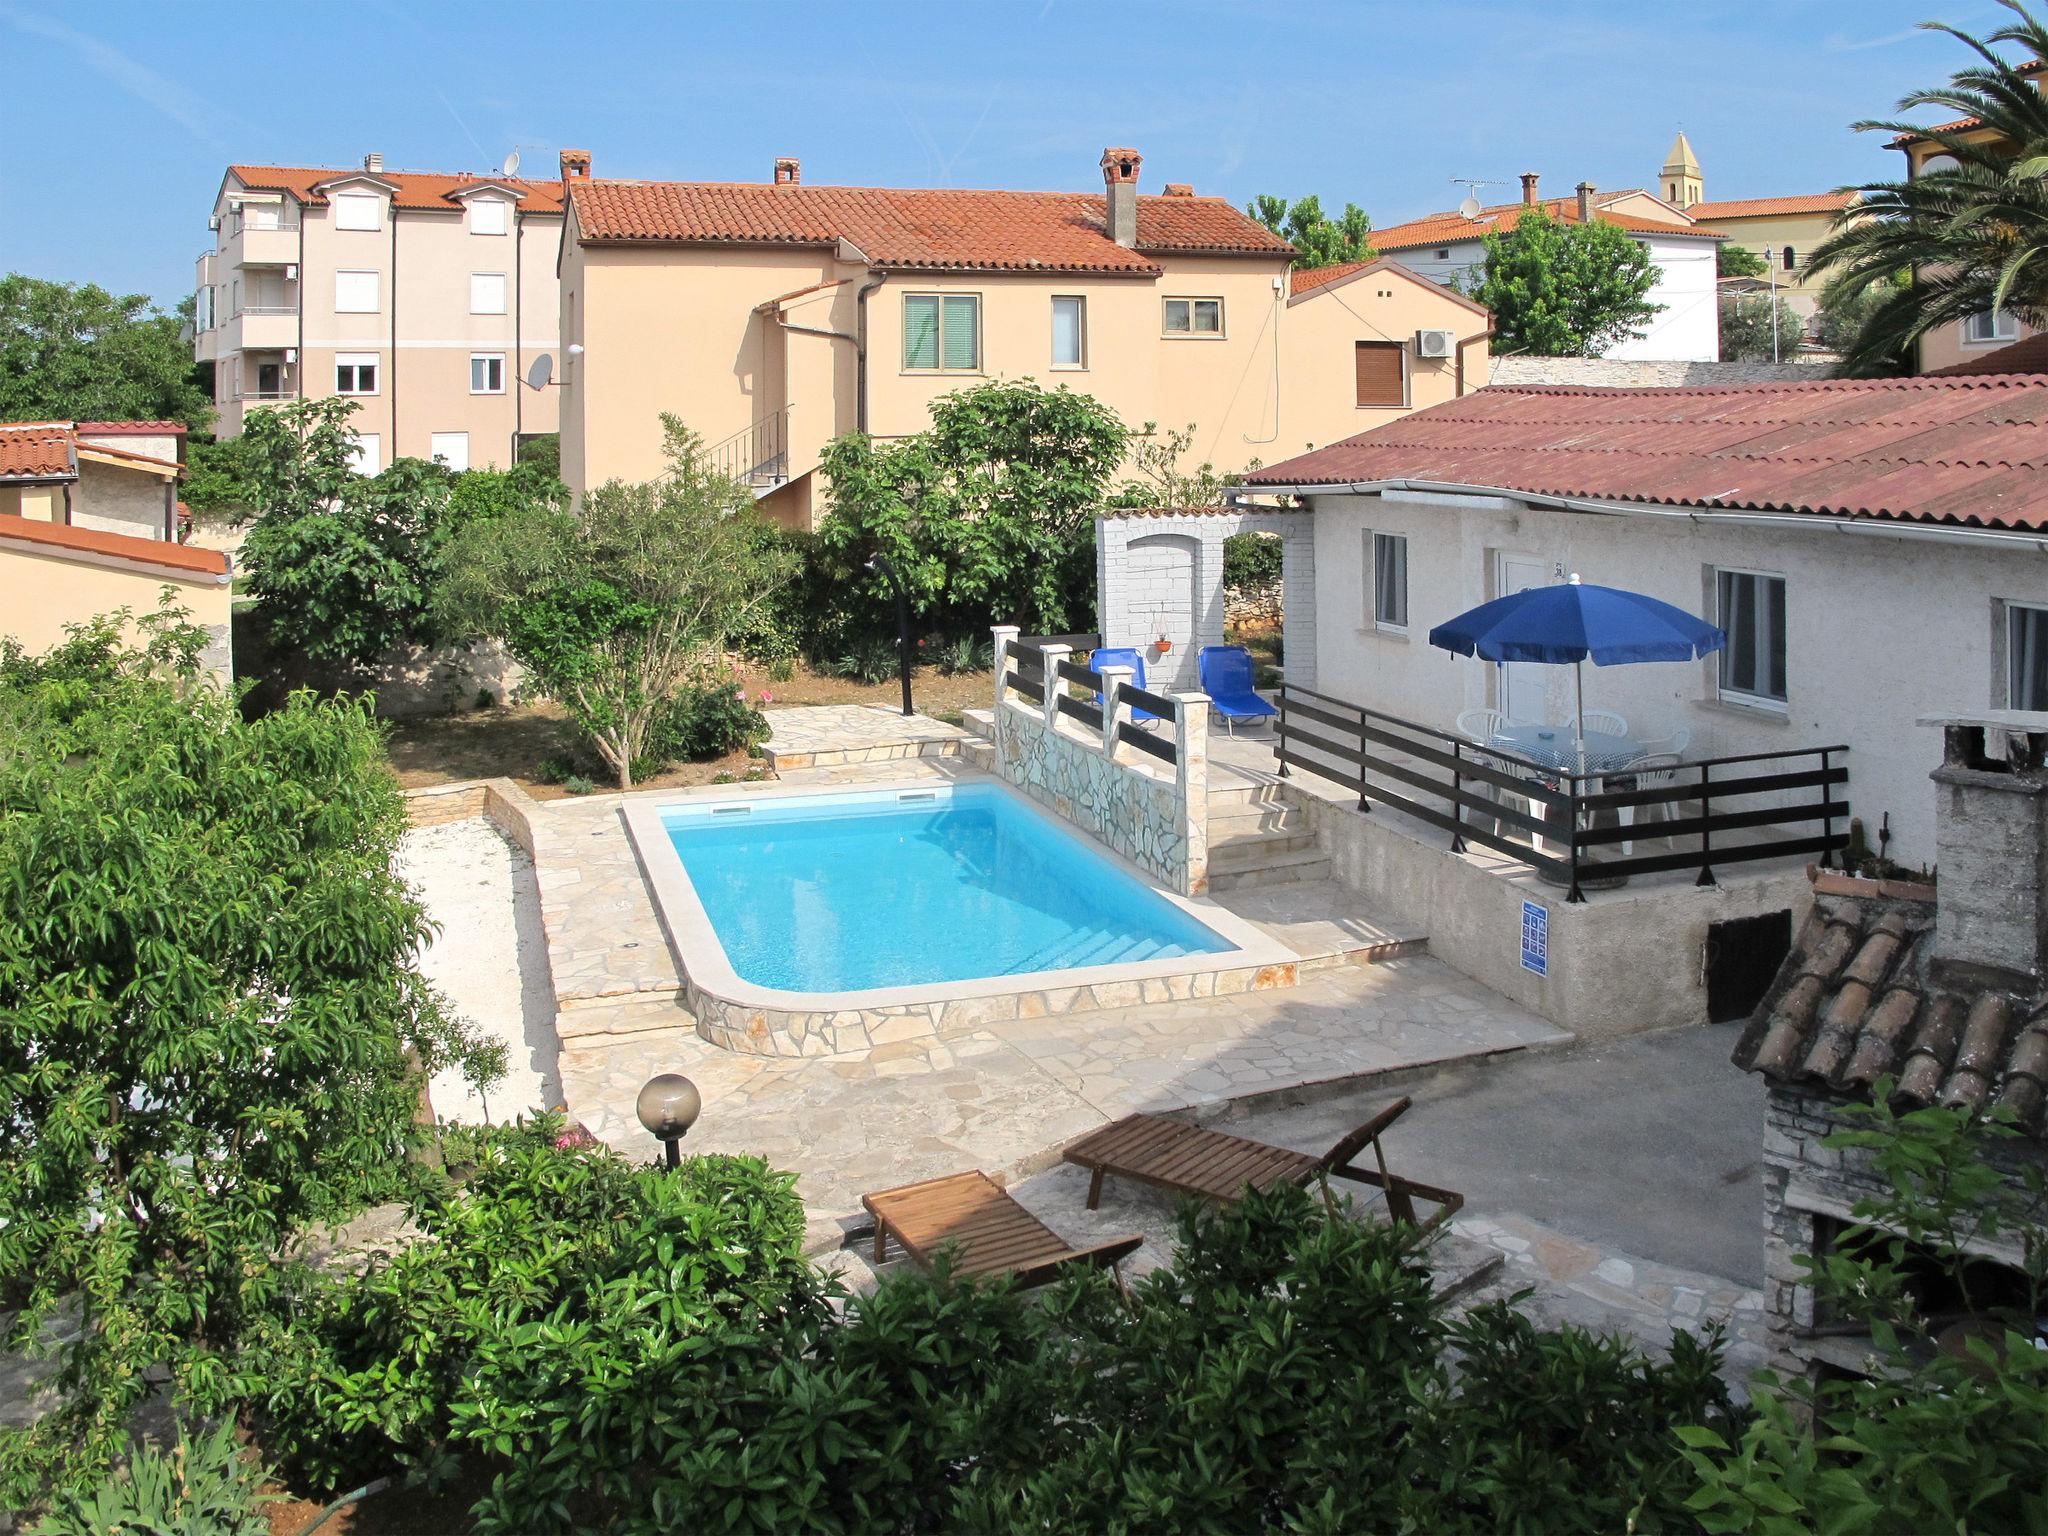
<point>918,229</point>
<point>36,450</point>
<point>1770,207</point>
<point>140,428</point>
<point>1304,282</point>
<point>416,189</point>
<point>124,546</point>
<point>1449,228</point>
<point>2026,356</point>
<point>1309,279</point>
<point>1967,451</point>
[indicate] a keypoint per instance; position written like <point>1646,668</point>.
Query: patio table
<point>1553,746</point>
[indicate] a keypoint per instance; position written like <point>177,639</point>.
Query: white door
<point>451,448</point>
<point>1522,683</point>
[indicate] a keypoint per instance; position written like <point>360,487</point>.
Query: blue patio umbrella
<point>1573,621</point>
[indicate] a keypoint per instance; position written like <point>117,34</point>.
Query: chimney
<point>575,165</point>
<point>373,162</point>
<point>1179,189</point>
<point>1528,188</point>
<point>1120,177</point>
<point>1585,191</point>
<point>787,171</point>
<point>1991,847</point>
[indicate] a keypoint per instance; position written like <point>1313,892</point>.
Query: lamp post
<point>904,646</point>
<point>668,1107</point>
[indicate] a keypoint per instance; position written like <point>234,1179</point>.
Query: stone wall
<point>409,681</point>
<point>1612,373</point>
<point>1808,1186</point>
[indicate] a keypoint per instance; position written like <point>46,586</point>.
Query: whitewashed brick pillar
<point>1191,763</point>
<point>1005,637</point>
<point>1054,655</point>
<point>1114,709</point>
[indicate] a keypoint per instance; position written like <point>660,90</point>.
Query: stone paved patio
<point>1005,1098</point>
<point>832,735</point>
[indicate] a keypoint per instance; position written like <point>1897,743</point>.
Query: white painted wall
<point>1687,329</point>
<point>1879,631</point>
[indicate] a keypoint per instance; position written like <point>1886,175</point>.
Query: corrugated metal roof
<point>1968,451</point>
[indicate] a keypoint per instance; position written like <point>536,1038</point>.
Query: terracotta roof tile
<point>1856,1000</point>
<point>1767,207</point>
<point>37,450</point>
<point>1308,279</point>
<point>918,229</point>
<point>1449,228</point>
<point>1965,451</point>
<point>139,428</point>
<point>416,189</point>
<point>159,552</point>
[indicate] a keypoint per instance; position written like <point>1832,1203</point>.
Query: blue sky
<point>119,117</point>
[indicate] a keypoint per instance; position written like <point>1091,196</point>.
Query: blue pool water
<point>839,893</point>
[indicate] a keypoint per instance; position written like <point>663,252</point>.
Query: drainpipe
<point>391,374</point>
<point>301,306</point>
<point>860,350</point>
<point>518,334</point>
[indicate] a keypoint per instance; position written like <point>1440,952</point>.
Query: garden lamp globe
<point>668,1106</point>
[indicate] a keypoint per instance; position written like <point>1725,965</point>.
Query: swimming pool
<point>845,892</point>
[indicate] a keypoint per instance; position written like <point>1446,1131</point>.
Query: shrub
<point>1251,561</point>
<point>708,719</point>
<point>212,1030</point>
<point>869,661</point>
<point>204,1487</point>
<point>966,655</point>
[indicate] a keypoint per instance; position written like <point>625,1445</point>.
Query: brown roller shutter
<point>1380,379</point>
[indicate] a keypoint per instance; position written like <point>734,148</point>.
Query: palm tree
<point>1975,234</point>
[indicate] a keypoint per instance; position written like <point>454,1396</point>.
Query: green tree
<point>212,1030</point>
<point>1844,313</point>
<point>219,483</point>
<point>1321,240</point>
<point>1974,235</point>
<point>1564,290</point>
<point>1747,333</point>
<point>1732,260</point>
<point>986,514</point>
<point>617,607</point>
<point>74,352</point>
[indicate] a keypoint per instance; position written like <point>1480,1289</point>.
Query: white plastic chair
<point>1673,745</point>
<point>1606,721</point>
<point>1653,770</point>
<point>1480,725</point>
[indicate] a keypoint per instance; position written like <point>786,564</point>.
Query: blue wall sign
<point>1535,938</point>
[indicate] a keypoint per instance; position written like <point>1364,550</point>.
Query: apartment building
<point>423,297</point>
<point>774,316</point>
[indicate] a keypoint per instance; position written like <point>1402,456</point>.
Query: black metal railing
<point>757,456</point>
<point>1575,829</point>
<point>1024,672</point>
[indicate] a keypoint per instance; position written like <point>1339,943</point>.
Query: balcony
<point>252,242</point>
<point>261,327</point>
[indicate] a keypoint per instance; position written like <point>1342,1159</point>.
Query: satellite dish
<point>511,164</point>
<point>1470,207</point>
<point>542,373</point>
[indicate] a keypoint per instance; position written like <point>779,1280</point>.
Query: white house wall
<point>1688,327</point>
<point>1879,631</point>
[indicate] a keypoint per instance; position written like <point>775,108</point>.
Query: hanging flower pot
<point>1164,644</point>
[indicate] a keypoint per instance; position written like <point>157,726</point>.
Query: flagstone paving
<point>827,735</point>
<point>1007,1097</point>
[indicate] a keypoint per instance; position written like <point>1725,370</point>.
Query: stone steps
<point>1249,864</point>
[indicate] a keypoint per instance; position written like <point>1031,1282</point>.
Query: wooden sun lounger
<point>992,1234</point>
<point>1191,1159</point>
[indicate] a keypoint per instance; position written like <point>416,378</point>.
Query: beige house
<point>772,317</point>
<point>89,517</point>
<point>423,297</point>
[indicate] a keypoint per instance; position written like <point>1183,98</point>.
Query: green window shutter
<point>920,331</point>
<point>963,331</point>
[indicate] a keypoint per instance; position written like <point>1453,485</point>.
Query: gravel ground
<point>490,959</point>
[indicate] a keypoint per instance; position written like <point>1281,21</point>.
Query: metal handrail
<point>757,455</point>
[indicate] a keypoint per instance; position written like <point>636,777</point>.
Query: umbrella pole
<point>1579,689</point>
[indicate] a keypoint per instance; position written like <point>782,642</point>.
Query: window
<point>1443,253</point>
<point>260,216</point>
<point>1752,612</point>
<point>1069,333</point>
<point>369,453</point>
<point>451,449</point>
<point>202,310</point>
<point>942,332</point>
<point>487,293</point>
<point>355,373</point>
<point>487,215</point>
<point>1387,560</point>
<point>355,293</point>
<point>2026,652</point>
<point>487,373</point>
<point>357,210</point>
<point>1382,373</point>
<point>1194,317</point>
<point>1790,258</point>
<point>1990,326</point>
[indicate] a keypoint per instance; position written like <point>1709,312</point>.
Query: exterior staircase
<point>1257,836</point>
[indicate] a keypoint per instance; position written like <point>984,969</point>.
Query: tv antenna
<point>1470,207</point>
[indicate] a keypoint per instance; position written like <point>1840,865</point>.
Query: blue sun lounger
<point>1122,656</point>
<point>1226,672</point>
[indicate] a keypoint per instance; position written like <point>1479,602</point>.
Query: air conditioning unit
<point>1436,343</point>
<point>291,271</point>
